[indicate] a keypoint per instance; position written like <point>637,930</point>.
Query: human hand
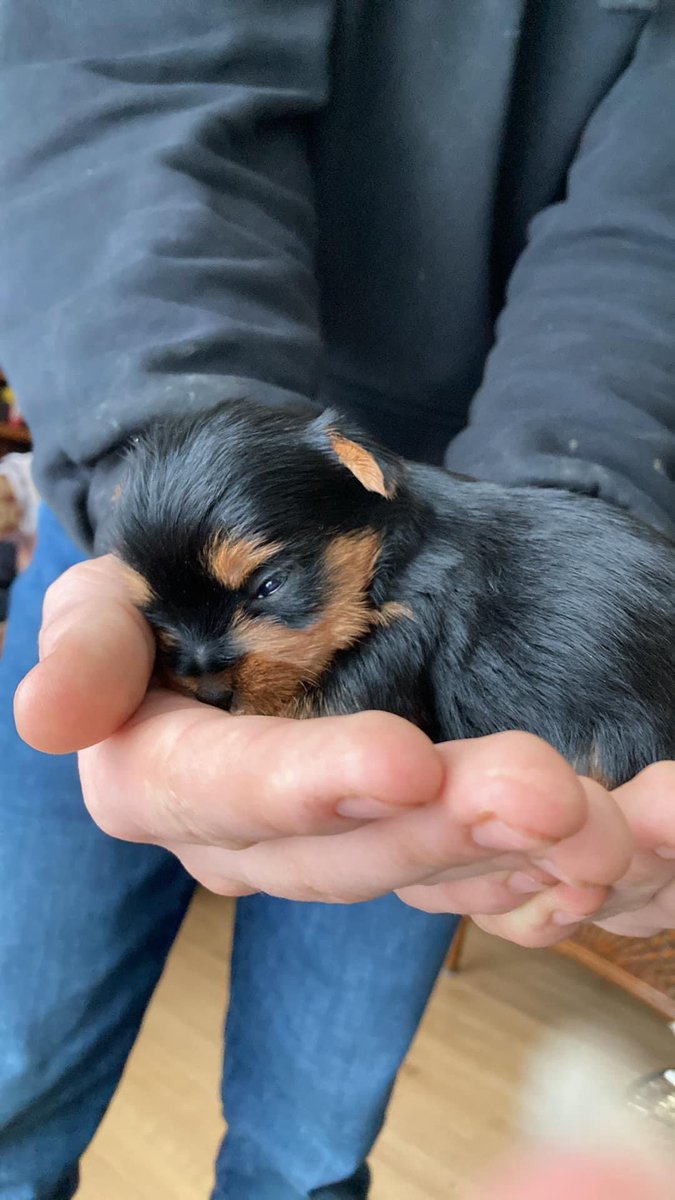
<point>342,808</point>
<point>639,903</point>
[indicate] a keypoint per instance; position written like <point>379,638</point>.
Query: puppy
<point>292,567</point>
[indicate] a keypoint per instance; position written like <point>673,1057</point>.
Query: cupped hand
<point>337,808</point>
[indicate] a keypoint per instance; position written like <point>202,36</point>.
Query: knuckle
<point>299,879</point>
<point>176,751</point>
<point>303,815</point>
<point>176,810</point>
<point>520,745</point>
<point>77,583</point>
<point>103,815</point>
<point>53,600</point>
<point>309,893</point>
<point>62,588</point>
<point>365,738</point>
<point>660,776</point>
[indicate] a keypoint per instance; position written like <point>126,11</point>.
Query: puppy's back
<point>571,607</point>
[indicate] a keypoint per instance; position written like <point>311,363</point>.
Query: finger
<point>546,919</point>
<point>639,901</point>
<point>499,892</point>
<point>648,803</point>
<point>416,845</point>
<point>591,860</point>
<point>513,791</point>
<point>646,923</point>
<point>643,920</point>
<point>208,865</point>
<point>600,852</point>
<point>183,772</point>
<point>97,655</point>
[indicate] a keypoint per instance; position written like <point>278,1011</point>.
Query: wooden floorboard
<point>455,1103</point>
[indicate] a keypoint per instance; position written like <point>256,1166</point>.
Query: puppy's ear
<point>374,468</point>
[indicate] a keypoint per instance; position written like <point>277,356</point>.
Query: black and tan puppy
<point>291,567</point>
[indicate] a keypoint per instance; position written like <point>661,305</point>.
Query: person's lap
<point>85,925</point>
<point>324,999</point>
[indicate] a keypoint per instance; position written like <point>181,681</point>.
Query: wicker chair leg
<point>454,958</point>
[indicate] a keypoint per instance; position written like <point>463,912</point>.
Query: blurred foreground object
<point>654,1097</point>
<point>586,1136</point>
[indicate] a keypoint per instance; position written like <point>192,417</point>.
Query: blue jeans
<point>324,999</point>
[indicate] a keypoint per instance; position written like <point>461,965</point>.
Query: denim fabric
<point>325,999</point>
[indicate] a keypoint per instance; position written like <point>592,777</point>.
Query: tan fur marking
<point>306,705</point>
<point>361,464</point>
<point>281,667</point>
<point>138,588</point>
<point>280,662</point>
<point>231,560</point>
<point>178,683</point>
<point>166,640</point>
<point>392,611</point>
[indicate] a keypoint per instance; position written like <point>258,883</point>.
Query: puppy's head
<point>253,537</point>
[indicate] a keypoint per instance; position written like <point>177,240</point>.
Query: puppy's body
<point>535,610</point>
<point>291,567</point>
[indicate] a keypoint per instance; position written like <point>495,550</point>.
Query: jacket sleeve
<point>156,219</point>
<point>579,390</point>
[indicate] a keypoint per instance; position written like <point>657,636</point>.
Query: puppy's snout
<point>203,658</point>
<point>216,694</point>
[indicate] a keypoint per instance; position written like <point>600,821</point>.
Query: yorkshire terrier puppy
<point>290,566</point>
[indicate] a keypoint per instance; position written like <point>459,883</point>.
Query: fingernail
<point>565,918</point>
<point>552,869</point>
<point>494,834</point>
<point>665,851</point>
<point>524,885</point>
<point>362,808</point>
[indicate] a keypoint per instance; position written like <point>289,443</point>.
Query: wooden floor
<point>454,1105</point>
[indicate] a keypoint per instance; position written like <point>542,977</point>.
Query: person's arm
<point>156,219</point>
<point>579,391</point>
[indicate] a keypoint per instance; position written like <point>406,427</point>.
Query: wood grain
<point>645,967</point>
<point>455,1104</point>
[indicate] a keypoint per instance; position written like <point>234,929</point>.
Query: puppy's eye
<point>268,586</point>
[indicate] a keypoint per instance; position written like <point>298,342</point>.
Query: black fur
<point>532,609</point>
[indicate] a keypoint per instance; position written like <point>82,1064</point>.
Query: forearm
<point>156,225</point>
<point>579,390</point>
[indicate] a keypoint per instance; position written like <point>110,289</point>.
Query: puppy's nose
<point>216,694</point>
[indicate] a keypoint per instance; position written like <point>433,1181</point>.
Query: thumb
<point>96,658</point>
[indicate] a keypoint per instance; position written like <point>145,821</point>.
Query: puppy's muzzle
<point>216,694</point>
